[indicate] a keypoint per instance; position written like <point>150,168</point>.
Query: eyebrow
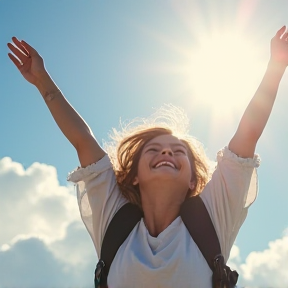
<point>171,144</point>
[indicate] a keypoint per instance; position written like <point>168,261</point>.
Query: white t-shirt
<point>172,259</point>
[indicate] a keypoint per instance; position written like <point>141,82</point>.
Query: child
<point>157,169</point>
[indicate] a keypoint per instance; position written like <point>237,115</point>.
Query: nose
<point>167,151</point>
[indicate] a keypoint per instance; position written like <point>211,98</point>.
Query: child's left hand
<point>279,47</point>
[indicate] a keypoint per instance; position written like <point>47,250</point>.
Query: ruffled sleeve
<point>227,196</point>
<point>99,197</point>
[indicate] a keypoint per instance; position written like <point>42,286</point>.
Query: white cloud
<point>268,267</point>
<point>43,242</point>
<point>30,263</point>
<point>77,248</point>
<point>235,253</point>
<point>33,203</point>
<point>234,259</point>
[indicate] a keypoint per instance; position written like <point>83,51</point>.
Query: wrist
<point>46,85</point>
<point>276,65</point>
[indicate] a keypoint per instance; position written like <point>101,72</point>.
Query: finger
<point>20,46</point>
<point>22,57</point>
<point>29,48</point>
<point>285,36</point>
<point>15,60</point>
<point>281,31</point>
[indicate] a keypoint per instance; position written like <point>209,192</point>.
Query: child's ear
<point>192,185</point>
<point>136,181</point>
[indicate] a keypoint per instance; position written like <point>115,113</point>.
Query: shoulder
<point>94,169</point>
<point>99,197</point>
<point>232,189</point>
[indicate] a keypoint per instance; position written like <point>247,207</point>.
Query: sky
<point>120,60</point>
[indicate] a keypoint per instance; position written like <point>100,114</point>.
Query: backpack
<point>202,232</point>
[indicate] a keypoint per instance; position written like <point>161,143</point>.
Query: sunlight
<point>225,71</point>
<point>217,69</point>
<point>220,68</point>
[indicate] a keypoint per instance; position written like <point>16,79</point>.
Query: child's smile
<point>164,159</point>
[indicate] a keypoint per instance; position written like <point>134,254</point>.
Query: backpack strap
<point>198,222</point>
<point>118,230</point>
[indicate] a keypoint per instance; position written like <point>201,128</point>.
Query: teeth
<point>165,163</point>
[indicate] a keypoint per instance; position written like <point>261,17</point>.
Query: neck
<point>160,211</point>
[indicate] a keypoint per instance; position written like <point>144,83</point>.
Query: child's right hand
<point>28,61</point>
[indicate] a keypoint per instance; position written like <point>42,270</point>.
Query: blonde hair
<point>126,146</point>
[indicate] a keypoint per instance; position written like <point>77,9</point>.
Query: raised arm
<point>31,66</point>
<point>258,111</point>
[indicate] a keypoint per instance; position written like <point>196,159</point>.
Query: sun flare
<point>221,68</point>
<point>224,70</point>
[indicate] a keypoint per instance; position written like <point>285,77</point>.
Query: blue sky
<point>122,59</point>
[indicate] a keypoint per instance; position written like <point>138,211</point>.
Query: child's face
<point>165,158</point>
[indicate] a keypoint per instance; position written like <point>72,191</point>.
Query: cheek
<point>189,170</point>
<point>187,164</point>
<point>144,167</point>
<point>141,167</point>
<point>143,170</point>
<point>144,162</point>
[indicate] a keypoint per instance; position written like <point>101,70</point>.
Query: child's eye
<point>152,149</point>
<point>180,151</point>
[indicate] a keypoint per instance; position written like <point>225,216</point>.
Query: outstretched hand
<point>279,47</point>
<point>27,60</point>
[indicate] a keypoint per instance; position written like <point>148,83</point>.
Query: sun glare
<point>218,65</point>
<point>222,68</point>
<point>225,69</point>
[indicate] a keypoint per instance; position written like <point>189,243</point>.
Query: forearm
<point>258,111</point>
<point>68,120</point>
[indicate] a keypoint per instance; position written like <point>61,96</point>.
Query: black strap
<point>198,222</point>
<point>118,230</point>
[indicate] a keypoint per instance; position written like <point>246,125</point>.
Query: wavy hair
<point>127,144</point>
